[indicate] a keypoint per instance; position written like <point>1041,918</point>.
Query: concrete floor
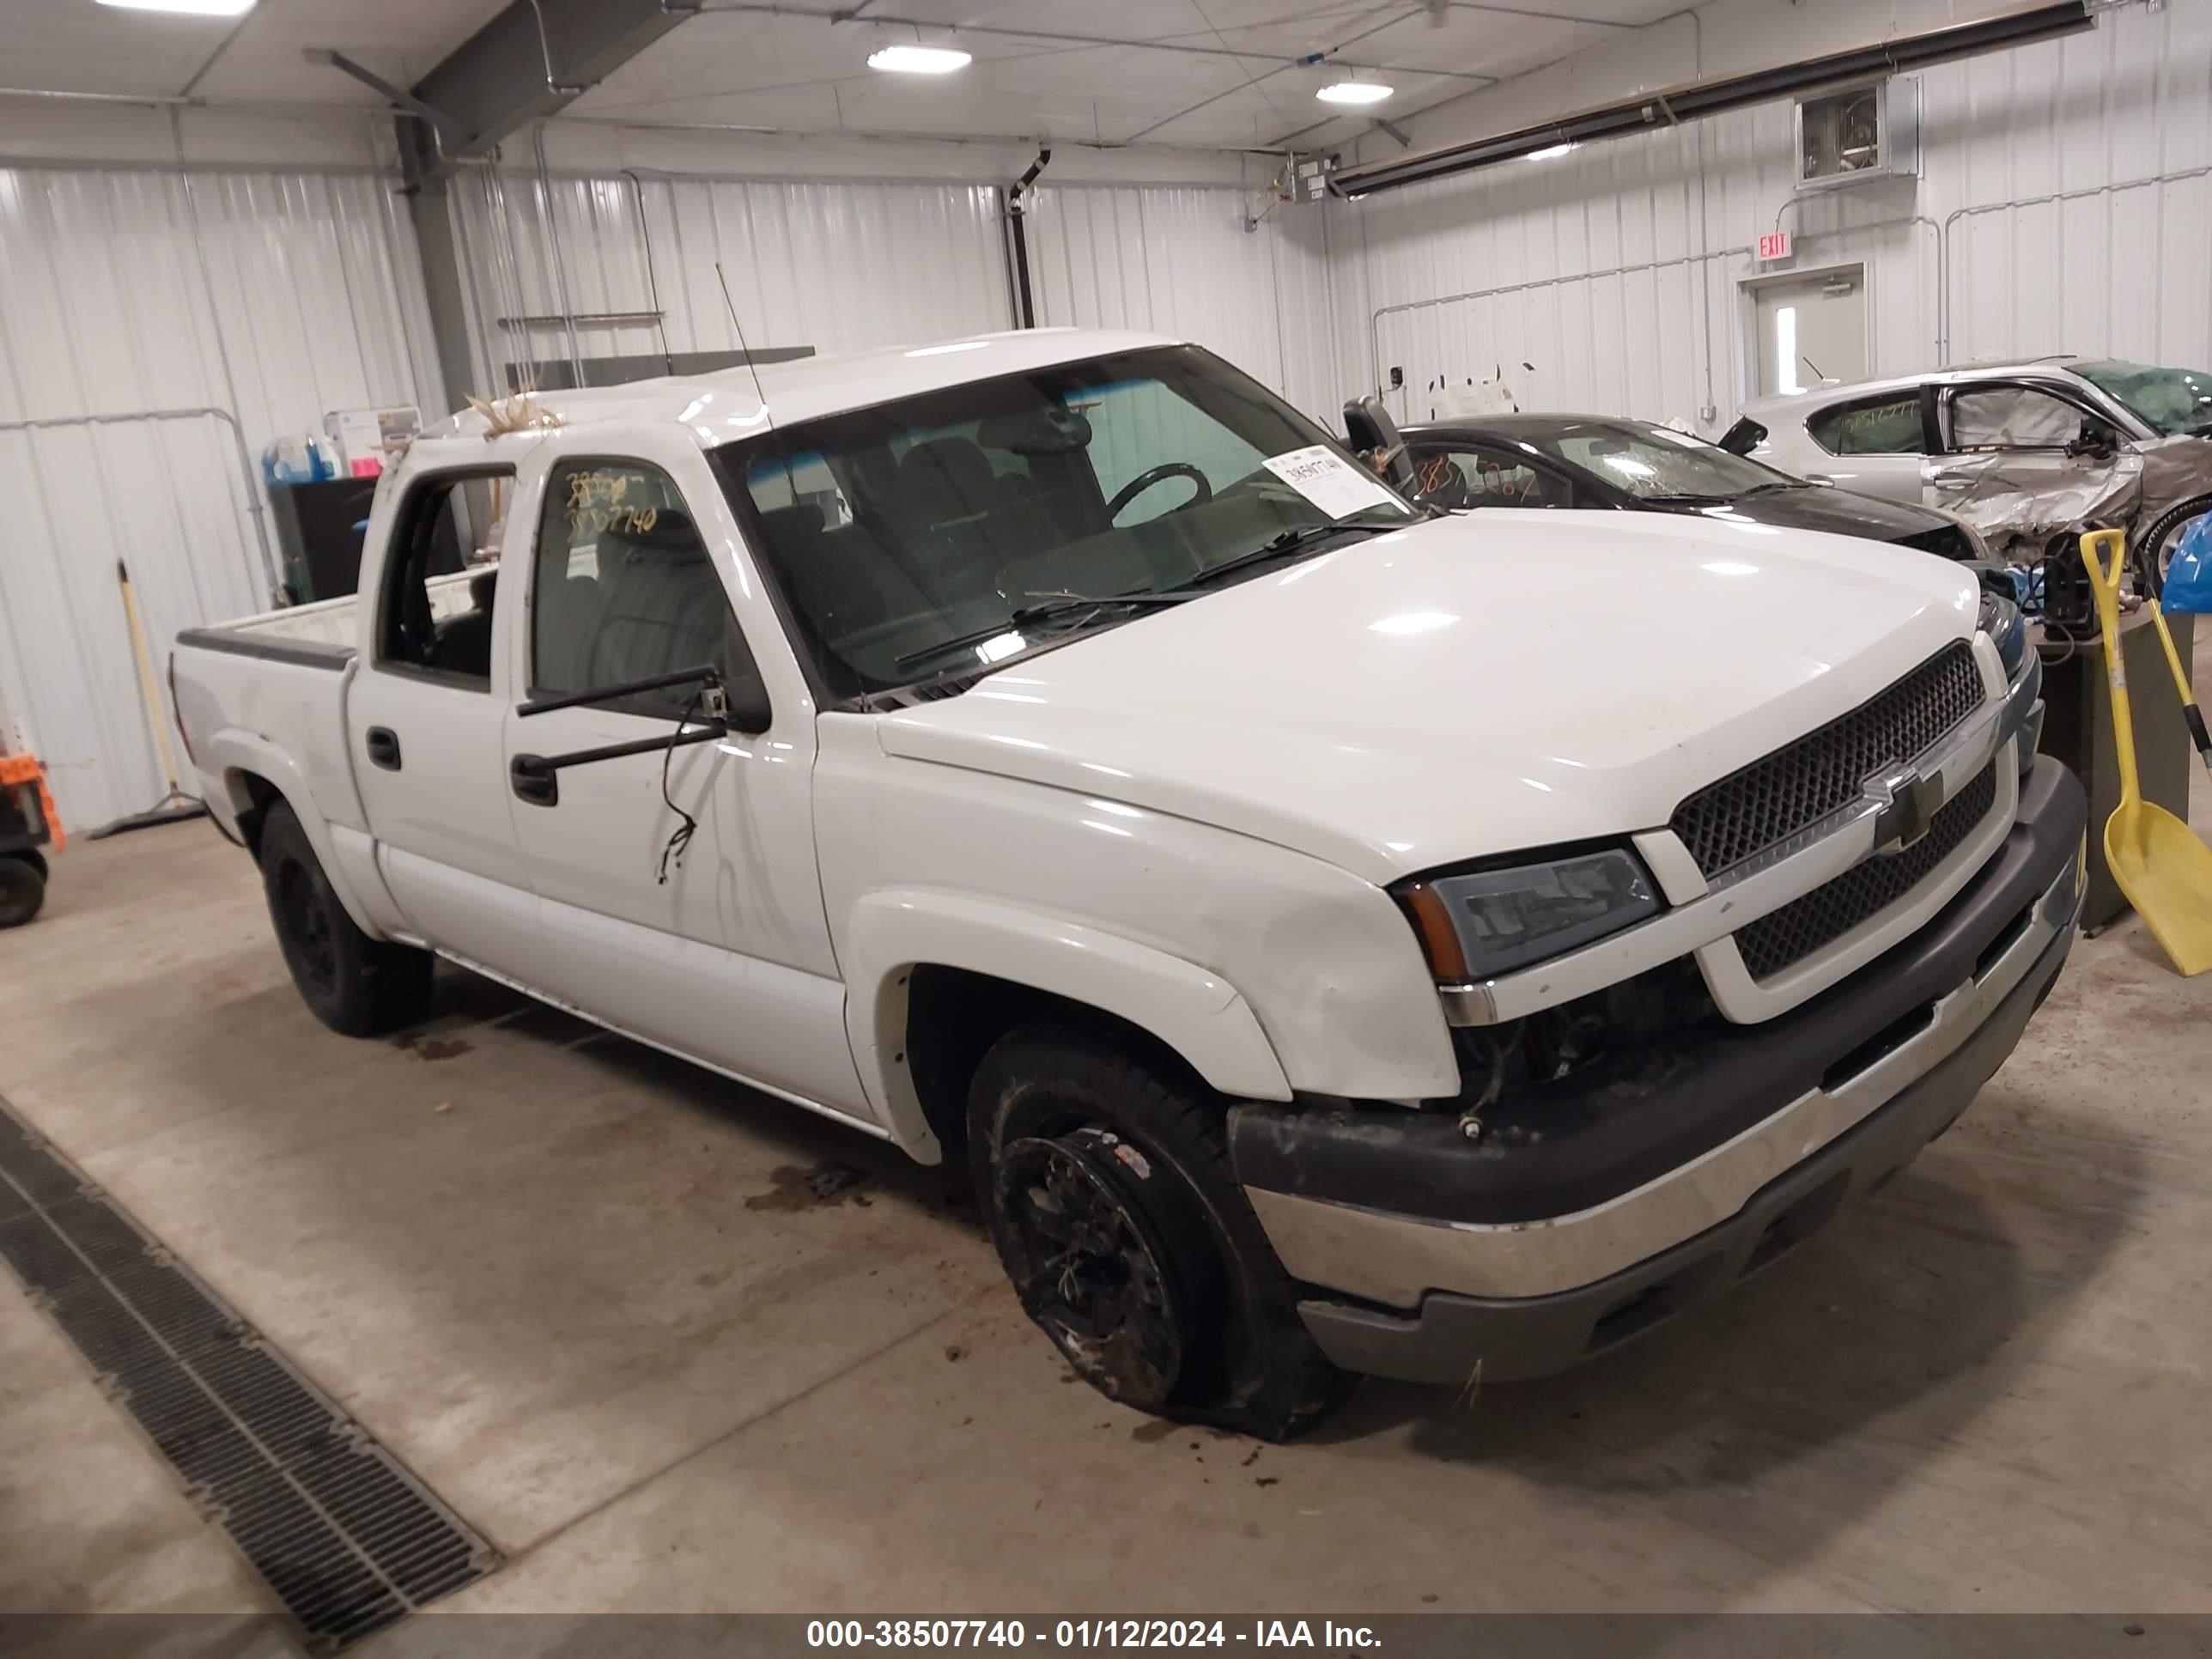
<point>588,1295</point>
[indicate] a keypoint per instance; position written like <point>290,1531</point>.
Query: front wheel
<point>22,890</point>
<point>2156,544</point>
<point>355,985</point>
<point>1105,1175</point>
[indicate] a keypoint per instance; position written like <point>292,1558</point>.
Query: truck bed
<point>266,696</point>
<point>316,635</point>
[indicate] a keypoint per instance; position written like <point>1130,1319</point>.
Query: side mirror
<point>746,708</point>
<point>1372,433</point>
<point>722,710</point>
<point>2096,438</point>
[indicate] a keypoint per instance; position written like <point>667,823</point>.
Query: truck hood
<point>1467,686</point>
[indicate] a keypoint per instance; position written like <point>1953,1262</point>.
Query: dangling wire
<point>671,854</point>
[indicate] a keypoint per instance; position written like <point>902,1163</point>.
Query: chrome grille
<point>1771,800</point>
<point>1783,937</point>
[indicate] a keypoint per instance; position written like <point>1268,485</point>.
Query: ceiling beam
<point>534,57</point>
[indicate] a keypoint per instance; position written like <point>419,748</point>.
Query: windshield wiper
<point>1290,542</point>
<point>1056,606</point>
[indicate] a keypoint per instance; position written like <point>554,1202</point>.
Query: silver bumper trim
<point>1395,1260</point>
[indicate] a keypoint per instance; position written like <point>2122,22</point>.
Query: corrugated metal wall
<point>1191,260</point>
<point>299,294</point>
<point>1617,272</point>
<point>842,266</point>
<point>839,266</point>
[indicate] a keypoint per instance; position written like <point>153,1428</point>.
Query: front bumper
<point>1529,1256</point>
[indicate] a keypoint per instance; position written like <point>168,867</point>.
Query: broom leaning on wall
<point>175,806</point>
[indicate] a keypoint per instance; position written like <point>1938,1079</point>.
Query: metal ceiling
<point>1208,74</point>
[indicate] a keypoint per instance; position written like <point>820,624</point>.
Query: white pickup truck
<point>1340,937</point>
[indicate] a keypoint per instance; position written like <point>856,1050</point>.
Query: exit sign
<point>1775,245</point>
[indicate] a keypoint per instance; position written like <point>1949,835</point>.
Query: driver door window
<point>1472,476</point>
<point>625,589</point>
<point>2012,417</point>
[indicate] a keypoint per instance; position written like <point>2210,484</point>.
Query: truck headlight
<point>1483,923</point>
<point>2007,630</point>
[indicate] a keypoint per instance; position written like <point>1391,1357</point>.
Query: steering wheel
<point>1166,470</point>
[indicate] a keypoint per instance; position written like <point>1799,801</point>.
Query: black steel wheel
<point>1090,1257</point>
<point>22,890</point>
<point>353,983</point>
<point>1103,1169</point>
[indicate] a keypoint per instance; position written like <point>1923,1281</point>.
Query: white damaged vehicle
<point>1339,939</point>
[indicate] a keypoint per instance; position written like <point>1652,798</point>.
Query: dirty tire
<point>1104,1172</point>
<point>2154,554</point>
<point>22,890</point>
<point>353,984</point>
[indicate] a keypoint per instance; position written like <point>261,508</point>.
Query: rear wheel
<point>1104,1172</point>
<point>353,984</point>
<point>22,890</point>
<point>2158,542</point>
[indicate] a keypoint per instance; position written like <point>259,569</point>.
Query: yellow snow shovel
<point>2165,871</point>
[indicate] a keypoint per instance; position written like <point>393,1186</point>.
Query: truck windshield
<point>906,537</point>
<point>2173,400</point>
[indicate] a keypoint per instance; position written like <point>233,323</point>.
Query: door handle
<point>533,781</point>
<point>383,748</point>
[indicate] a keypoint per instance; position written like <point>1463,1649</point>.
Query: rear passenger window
<point>434,613</point>
<point>1880,425</point>
<point>624,589</point>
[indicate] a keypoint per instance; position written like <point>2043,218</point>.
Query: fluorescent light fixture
<point>1550,150</point>
<point>1354,92</point>
<point>908,58</point>
<point>191,8</point>
<point>950,346</point>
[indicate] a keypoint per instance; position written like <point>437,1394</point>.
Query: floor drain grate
<point>347,1539</point>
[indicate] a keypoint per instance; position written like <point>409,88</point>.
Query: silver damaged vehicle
<point>2021,451</point>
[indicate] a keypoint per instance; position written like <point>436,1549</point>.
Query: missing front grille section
<point>346,1537</point>
<point>1784,938</point>
<point>1769,800</point>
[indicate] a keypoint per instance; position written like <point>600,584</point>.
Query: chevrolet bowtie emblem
<point>1909,803</point>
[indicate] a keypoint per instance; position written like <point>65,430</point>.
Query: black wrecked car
<point>1594,461</point>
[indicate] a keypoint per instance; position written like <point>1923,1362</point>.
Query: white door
<point>424,720</point>
<point>677,886</point>
<point>1810,329</point>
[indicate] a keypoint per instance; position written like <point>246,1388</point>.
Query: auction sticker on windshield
<point>1329,482</point>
